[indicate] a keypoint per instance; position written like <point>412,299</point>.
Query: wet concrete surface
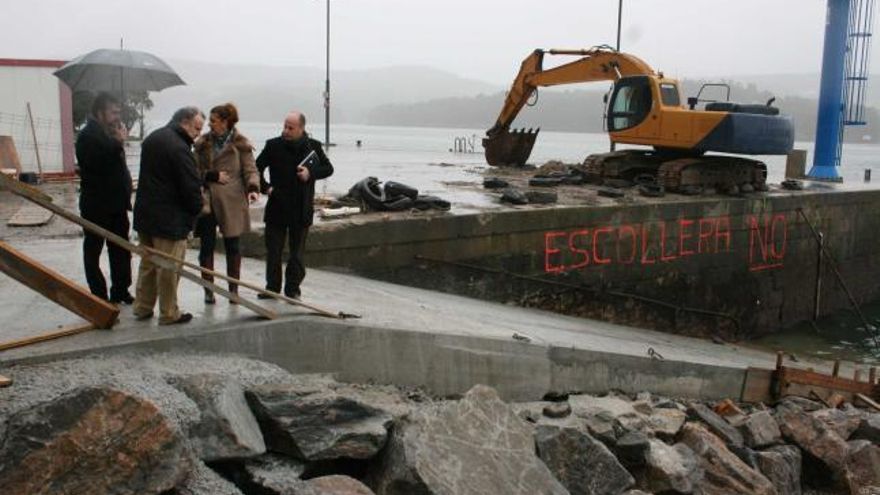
<point>383,305</point>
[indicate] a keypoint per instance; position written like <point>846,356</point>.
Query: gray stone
<point>338,485</point>
<point>514,196</point>
<point>760,430</point>
<point>581,463</point>
<point>643,407</point>
<point>813,436</point>
<point>589,405</point>
<point>632,448</point>
<point>843,423</point>
<point>801,403</point>
<point>717,425</point>
<point>226,428</point>
<point>557,410</point>
<point>92,440</point>
<point>782,466</point>
<point>320,425</point>
<point>745,454</point>
<point>477,445</point>
<point>863,467</point>
<point>204,481</point>
<point>269,474</point>
<point>601,427</point>
<point>666,423</point>
<point>636,492</point>
<point>724,471</point>
<point>869,429</point>
<point>671,468</point>
<point>541,197</point>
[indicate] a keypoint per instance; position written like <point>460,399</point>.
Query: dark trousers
<point>206,230</point>
<point>120,259</point>
<point>295,272</point>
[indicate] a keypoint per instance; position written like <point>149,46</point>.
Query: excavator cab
<point>630,103</point>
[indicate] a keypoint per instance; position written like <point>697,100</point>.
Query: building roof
<point>23,62</point>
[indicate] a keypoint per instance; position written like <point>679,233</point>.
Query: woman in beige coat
<point>226,163</point>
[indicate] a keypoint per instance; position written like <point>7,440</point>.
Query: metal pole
<point>327,88</point>
<point>619,22</point>
<point>829,125</point>
<point>36,146</point>
<point>819,268</point>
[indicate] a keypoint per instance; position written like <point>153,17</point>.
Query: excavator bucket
<point>506,148</point>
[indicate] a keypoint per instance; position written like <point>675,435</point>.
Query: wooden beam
<point>162,260</point>
<point>794,376</point>
<point>868,401</point>
<point>5,381</point>
<point>254,287</point>
<point>57,334</point>
<point>56,288</point>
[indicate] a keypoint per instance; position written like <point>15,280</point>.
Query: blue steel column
<point>826,157</point>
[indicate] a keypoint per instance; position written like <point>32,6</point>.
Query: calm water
<point>422,157</point>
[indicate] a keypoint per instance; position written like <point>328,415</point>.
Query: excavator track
<point>682,174</point>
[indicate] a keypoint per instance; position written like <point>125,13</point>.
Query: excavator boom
<point>506,148</point>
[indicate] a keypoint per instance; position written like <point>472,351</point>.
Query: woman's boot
<point>208,262</point>
<point>233,269</point>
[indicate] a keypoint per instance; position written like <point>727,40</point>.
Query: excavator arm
<point>596,64</point>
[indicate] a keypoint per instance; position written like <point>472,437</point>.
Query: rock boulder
<point>318,426</point>
<point>95,441</point>
<point>581,463</point>
<point>476,445</point>
<point>725,472</point>
<point>227,428</point>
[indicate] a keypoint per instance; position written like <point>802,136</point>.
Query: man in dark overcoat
<point>105,196</point>
<point>295,161</point>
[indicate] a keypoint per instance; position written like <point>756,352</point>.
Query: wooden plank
<point>5,381</point>
<point>162,260</point>
<point>30,216</point>
<point>256,288</point>
<point>57,334</point>
<point>811,378</point>
<point>56,288</point>
<point>756,387</point>
<point>868,401</point>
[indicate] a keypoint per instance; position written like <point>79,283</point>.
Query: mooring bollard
<point>867,175</point>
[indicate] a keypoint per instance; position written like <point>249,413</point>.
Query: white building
<point>51,103</point>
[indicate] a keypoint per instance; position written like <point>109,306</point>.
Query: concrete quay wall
<point>754,258</point>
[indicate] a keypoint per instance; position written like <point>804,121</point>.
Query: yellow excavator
<point>646,108</point>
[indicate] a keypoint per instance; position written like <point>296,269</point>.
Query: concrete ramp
<point>406,336</point>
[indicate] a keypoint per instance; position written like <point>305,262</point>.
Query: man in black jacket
<point>105,196</point>
<point>168,199</point>
<point>295,161</point>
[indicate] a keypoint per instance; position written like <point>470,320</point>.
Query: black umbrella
<point>118,71</point>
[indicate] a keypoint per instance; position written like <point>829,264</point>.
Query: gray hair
<point>186,113</point>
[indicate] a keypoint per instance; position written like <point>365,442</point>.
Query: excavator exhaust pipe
<point>506,148</point>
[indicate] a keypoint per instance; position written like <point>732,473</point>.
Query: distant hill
<point>582,110</point>
<point>427,97</point>
<point>266,93</point>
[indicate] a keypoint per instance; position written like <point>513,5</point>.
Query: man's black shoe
<point>262,295</point>
<point>126,298</point>
<point>183,318</point>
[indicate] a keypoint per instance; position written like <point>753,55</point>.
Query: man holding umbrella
<point>105,196</point>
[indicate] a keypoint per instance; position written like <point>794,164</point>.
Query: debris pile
<point>190,424</point>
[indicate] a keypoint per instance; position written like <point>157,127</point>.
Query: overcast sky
<point>482,39</point>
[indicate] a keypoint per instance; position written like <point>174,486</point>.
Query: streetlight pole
<point>327,87</point>
<point>619,20</point>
